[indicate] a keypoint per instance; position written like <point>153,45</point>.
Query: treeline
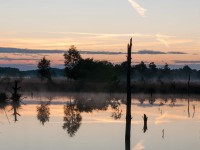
<point>79,69</point>
<point>14,72</point>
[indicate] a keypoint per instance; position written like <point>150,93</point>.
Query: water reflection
<point>72,119</point>
<point>193,111</point>
<point>145,128</point>
<point>108,110</point>
<point>16,100</point>
<point>188,107</point>
<point>43,112</point>
<point>115,105</point>
<point>152,100</point>
<point>89,104</point>
<point>15,106</point>
<point>82,103</point>
<point>4,102</point>
<point>163,133</point>
<point>116,114</point>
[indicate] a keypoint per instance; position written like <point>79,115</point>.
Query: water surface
<point>97,121</point>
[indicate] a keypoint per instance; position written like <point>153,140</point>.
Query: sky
<point>101,25</point>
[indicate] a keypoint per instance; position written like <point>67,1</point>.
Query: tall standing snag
<point>128,103</point>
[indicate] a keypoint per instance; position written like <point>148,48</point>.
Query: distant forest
<point>89,75</point>
<point>91,70</point>
<point>78,69</point>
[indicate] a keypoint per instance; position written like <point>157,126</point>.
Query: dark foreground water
<point>97,122</point>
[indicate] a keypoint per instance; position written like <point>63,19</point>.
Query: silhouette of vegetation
<point>82,103</point>
<point>163,133</point>
<point>44,67</point>
<point>89,104</point>
<point>115,104</point>
<point>43,112</point>
<point>8,71</point>
<point>84,74</point>
<point>72,58</point>
<point>72,119</point>
<point>16,100</point>
<point>16,95</point>
<point>4,102</point>
<point>3,97</point>
<point>15,106</point>
<point>90,70</point>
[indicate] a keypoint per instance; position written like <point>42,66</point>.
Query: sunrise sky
<point>170,27</point>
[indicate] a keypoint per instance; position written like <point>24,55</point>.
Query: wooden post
<point>128,103</point>
<point>145,118</point>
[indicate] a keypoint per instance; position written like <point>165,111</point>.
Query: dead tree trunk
<point>128,103</point>
<point>15,94</point>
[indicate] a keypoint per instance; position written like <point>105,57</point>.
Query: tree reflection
<point>117,114</point>
<point>72,119</point>
<point>193,111</point>
<point>15,106</point>
<point>4,103</point>
<point>43,112</point>
<point>88,104</point>
<point>142,100</point>
<point>16,100</point>
<point>3,100</point>
<point>152,99</point>
<point>115,105</point>
<point>163,133</point>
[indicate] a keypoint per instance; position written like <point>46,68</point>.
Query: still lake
<point>96,121</point>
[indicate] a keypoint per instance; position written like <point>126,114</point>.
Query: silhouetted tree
<point>16,96</point>
<point>166,67</point>
<point>187,69</point>
<point>90,70</point>
<point>152,66</point>
<point>165,72</point>
<point>44,67</point>
<point>121,70</point>
<point>141,69</point>
<point>72,57</point>
<point>152,70</point>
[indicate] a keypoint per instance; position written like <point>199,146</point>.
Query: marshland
<point>95,104</point>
